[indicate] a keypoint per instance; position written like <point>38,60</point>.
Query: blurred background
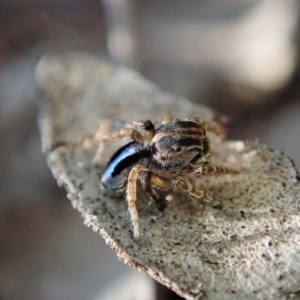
<point>239,57</point>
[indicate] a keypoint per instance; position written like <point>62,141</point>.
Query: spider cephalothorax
<point>160,158</point>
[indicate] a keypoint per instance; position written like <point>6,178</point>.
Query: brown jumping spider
<point>159,159</point>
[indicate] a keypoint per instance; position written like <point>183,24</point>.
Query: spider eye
<point>176,148</point>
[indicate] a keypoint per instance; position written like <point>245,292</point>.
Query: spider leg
<point>148,130</point>
<point>124,132</point>
<point>216,128</point>
<point>151,181</point>
<point>211,170</point>
<point>184,185</point>
<point>131,198</point>
<point>168,120</point>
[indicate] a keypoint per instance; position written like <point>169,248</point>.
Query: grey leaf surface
<point>248,249</point>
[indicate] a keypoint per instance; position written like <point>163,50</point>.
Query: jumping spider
<point>159,158</point>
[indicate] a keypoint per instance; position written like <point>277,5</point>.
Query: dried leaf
<point>246,249</point>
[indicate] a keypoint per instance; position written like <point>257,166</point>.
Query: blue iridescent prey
<point>117,169</point>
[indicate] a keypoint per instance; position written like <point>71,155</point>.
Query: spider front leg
<point>149,181</point>
<point>148,130</point>
<point>184,185</point>
<point>131,198</point>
